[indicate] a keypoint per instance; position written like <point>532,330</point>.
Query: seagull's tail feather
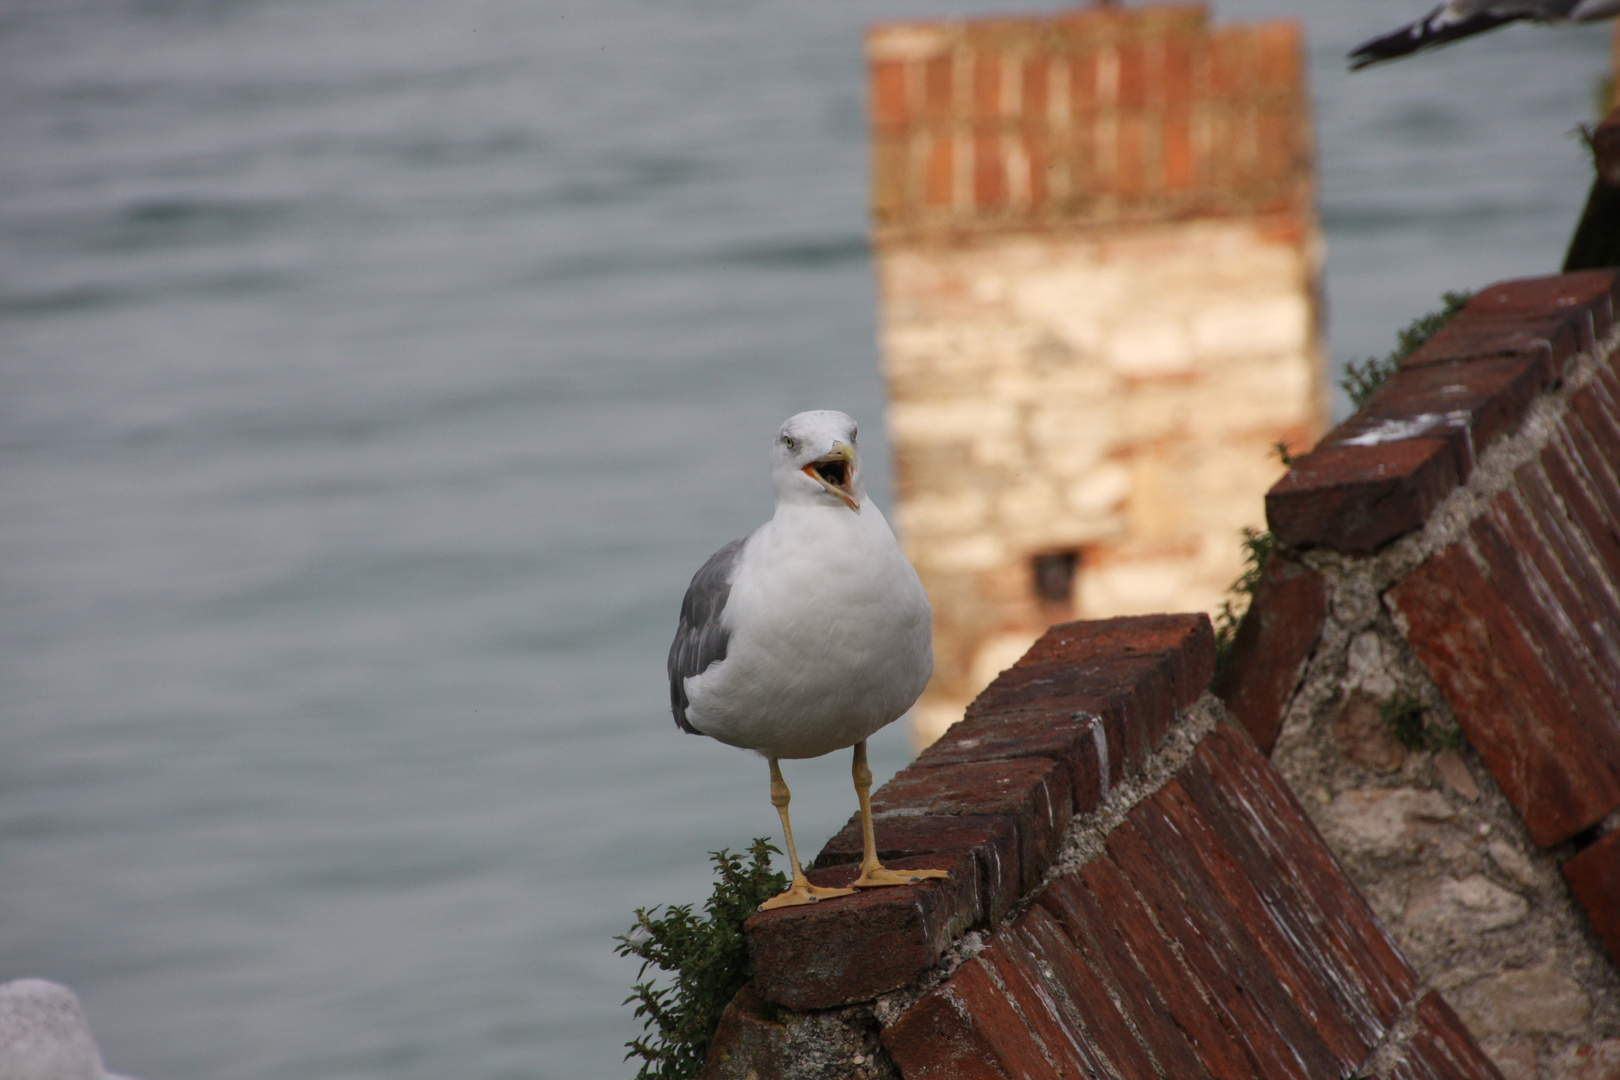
<point>1436,28</point>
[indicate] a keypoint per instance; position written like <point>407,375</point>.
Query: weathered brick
<point>1032,793</point>
<point>1287,841</point>
<point>1593,875</point>
<point>965,1029</point>
<point>853,948</point>
<point>1188,640</point>
<point>1218,943</point>
<point>1063,1001</point>
<point>1100,939</point>
<point>1472,404</point>
<point>1600,471</point>
<point>1577,493</point>
<point>1444,1047</point>
<point>1276,638</point>
<point>1464,627</point>
<point>1308,975</point>
<point>1569,583</point>
<point>1587,293</point>
<point>1354,499</point>
<point>990,841</point>
<point>1548,346</point>
<point>1077,740</point>
<point>888,94</point>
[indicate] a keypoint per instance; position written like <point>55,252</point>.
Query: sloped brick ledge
<point>1136,894</point>
<point>1454,548</point>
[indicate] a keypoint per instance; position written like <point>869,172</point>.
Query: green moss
<point>1362,380</point>
<point>1407,719</point>
<point>708,958</point>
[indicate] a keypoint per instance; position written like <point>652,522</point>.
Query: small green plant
<point>1408,720</point>
<point>1285,453</point>
<point>1362,379</point>
<point>708,957</point>
<point>1257,546</point>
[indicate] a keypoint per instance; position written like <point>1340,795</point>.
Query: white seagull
<point>808,635</point>
<point>1463,18</point>
<point>44,1035</point>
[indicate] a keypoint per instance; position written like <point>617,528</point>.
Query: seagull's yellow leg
<point>873,872</point>
<point>801,891</point>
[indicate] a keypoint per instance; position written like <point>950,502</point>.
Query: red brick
<point>1600,415</point>
<point>990,842</point>
<point>1177,170</point>
<point>1591,292</point>
<point>939,88</point>
<point>853,948</point>
<point>1035,87</point>
<point>1276,638</point>
<point>1444,1046</point>
<point>1188,640</point>
<point>888,102</point>
<point>1280,65</point>
<point>989,169</point>
<point>1063,1001</point>
<point>1038,155</point>
<point>1098,938</point>
<point>1593,875</point>
<point>1463,627</point>
<point>1078,741</point>
<point>1231,62</point>
<point>1083,82</point>
<point>1354,499</point>
<point>1174,81</point>
<point>1598,467</point>
<point>1100,896</point>
<point>1307,976</point>
<point>939,177</point>
<point>1579,496</point>
<point>1032,792</point>
<point>1571,584</point>
<point>1473,404</point>
<point>1217,941</point>
<point>1550,344</point>
<point>965,1029</point>
<point>987,103</point>
<point>1289,842</point>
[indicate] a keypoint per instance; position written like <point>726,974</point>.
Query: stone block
<point>1593,875</point>
<point>1362,737</point>
<point>1356,498</point>
<point>853,948</point>
<point>1523,1001</point>
<point>754,1040</point>
<point>1273,643</point>
<point>1516,704</point>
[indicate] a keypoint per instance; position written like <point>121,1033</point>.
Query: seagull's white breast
<point>830,636</point>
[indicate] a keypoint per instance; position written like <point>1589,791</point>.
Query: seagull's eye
<point>787,441</point>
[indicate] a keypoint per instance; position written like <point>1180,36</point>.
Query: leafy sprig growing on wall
<point>708,958</point>
<point>1361,380</point>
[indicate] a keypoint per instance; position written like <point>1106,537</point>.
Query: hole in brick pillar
<point>1054,576</point>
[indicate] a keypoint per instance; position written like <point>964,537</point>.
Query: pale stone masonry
<point>1098,264</point>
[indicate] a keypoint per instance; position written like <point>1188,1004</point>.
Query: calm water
<point>373,375</point>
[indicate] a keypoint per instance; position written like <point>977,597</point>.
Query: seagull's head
<point>814,460</point>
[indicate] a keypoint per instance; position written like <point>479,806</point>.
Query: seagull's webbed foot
<point>802,892</point>
<point>873,877</point>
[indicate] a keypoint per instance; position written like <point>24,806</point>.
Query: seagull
<point>1463,18</point>
<point>809,634</point>
<point>44,1035</point>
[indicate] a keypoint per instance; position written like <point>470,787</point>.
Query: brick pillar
<point>1098,263</point>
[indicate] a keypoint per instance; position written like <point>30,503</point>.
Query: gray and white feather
<point>1458,19</point>
<point>814,631</point>
<point>44,1034</point>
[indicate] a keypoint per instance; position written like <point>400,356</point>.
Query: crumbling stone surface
<point>1463,865</point>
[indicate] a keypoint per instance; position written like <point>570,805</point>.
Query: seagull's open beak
<point>836,472</point>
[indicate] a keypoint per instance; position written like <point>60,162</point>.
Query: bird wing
<point>700,639</point>
<point>1449,22</point>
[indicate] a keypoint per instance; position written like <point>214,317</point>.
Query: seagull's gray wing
<point>700,640</point>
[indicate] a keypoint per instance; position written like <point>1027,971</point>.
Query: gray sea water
<point>373,376</point>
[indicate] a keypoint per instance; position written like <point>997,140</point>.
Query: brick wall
<point>1097,259</point>
<point>1453,553</point>
<point>1134,893</point>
